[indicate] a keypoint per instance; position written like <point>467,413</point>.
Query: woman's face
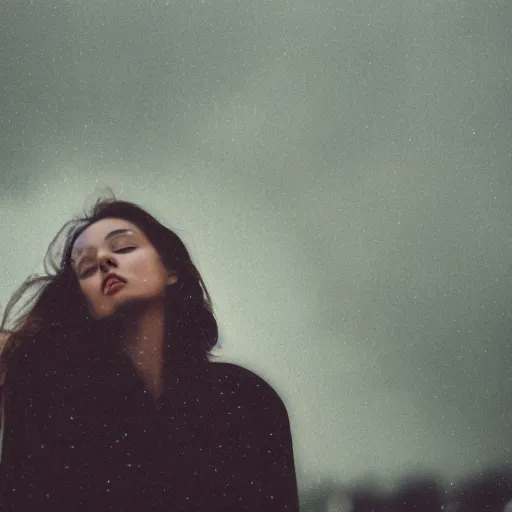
<point>119,246</point>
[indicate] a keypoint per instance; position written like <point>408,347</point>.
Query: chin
<point>103,314</point>
<point>124,308</point>
<point>128,307</point>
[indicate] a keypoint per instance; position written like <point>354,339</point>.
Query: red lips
<point>111,278</point>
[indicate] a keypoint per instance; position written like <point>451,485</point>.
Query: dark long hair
<point>58,325</point>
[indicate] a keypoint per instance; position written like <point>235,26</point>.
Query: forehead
<point>94,235</point>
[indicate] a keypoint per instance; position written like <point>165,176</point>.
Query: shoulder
<point>240,387</point>
<point>233,376</point>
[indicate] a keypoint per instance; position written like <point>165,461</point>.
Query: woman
<point>111,401</point>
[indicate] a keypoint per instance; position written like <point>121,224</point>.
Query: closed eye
<point>89,270</point>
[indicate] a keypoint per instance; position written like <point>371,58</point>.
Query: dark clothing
<point>218,439</point>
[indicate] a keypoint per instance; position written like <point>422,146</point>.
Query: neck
<point>143,342</point>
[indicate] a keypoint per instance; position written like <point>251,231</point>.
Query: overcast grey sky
<point>341,172</point>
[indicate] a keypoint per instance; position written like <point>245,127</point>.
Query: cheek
<point>88,299</point>
<point>88,290</point>
<point>147,272</point>
<point>152,281</point>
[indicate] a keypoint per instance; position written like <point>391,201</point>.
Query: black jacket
<point>218,439</point>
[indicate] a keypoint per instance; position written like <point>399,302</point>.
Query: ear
<point>172,277</point>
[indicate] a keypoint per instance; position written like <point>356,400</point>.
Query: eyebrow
<point>108,236</point>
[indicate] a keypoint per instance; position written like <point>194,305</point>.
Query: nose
<point>106,262</point>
